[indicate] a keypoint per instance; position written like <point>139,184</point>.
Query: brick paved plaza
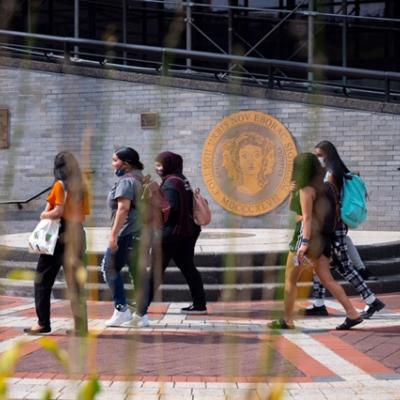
<point>228,354</point>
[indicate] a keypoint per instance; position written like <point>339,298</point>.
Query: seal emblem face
<point>247,163</point>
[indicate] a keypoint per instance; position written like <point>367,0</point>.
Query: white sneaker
<point>119,317</point>
<point>137,321</point>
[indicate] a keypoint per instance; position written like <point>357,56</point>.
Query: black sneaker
<point>315,311</point>
<point>194,310</point>
<point>366,275</point>
<point>377,305</point>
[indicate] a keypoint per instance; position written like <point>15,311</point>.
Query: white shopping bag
<point>44,237</point>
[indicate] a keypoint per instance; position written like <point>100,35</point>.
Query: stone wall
<point>51,111</point>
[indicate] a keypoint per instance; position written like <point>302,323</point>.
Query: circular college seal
<point>247,163</point>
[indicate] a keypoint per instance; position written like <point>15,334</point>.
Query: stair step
<point>169,292</point>
<point>379,251</point>
<point>207,260</point>
<point>386,266</point>
<point>214,275</point>
<point>367,253</point>
<point>214,292</point>
<point>211,275</point>
<point>31,265</point>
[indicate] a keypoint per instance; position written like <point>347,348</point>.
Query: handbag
<point>44,237</point>
<point>201,209</point>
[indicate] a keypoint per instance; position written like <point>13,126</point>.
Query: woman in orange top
<point>67,201</point>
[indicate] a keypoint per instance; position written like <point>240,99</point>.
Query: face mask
<point>322,161</point>
<point>160,172</point>
<point>120,172</point>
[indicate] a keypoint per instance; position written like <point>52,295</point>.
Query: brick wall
<point>51,111</point>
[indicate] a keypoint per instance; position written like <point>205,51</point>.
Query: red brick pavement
<point>380,344</point>
<point>206,356</point>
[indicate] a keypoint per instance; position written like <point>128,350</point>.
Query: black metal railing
<point>261,72</point>
<point>19,203</point>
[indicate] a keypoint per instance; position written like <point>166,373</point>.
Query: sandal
<point>280,324</point>
<point>349,323</point>
<point>37,330</point>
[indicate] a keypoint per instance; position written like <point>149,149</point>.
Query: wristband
<point>305,241</point>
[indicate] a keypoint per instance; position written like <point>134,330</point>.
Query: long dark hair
<point>67,170</point>
<point>130,156</point>
<point>307,171</point>
<point>333,162</point>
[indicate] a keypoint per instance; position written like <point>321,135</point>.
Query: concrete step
<point>206,260</point>
<point>368,253</point>
<point>252,275</point>
<point>386,266</point>
<point>210,275</point>
<point>379,251</point>
<point>213,275</point>
<point>214,292</point>
<point>167,292</point>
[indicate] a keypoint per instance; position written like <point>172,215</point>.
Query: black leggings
<point>69,253</point>
<point>181,251</point>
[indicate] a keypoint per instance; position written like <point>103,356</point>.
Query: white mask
<point>322,161</point>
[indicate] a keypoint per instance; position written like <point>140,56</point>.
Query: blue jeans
<point>113,263</point>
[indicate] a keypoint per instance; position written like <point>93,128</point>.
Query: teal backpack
<point>353,208</point>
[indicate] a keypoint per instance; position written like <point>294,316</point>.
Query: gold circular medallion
<point>247,163</point>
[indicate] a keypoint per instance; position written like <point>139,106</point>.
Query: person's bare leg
<point>322,269</point>
<point>292,276</point>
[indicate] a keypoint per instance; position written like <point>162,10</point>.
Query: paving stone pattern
<point>228,354</point>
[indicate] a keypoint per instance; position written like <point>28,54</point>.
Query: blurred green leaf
<point>9,359</point>
<point>277,391</point>
<point>47,395</point>
<point>21,275</point>
<point>89,390</point>
<point>52,347</point>
<point>81,275</point>
<point>3,389</point>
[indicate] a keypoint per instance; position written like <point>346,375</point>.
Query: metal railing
<point>19,203</point>
<point>261,72</point>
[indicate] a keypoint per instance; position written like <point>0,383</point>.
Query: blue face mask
<point>120,172</point>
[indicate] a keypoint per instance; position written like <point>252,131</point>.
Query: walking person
<point>178,239</point>
<point>124,239</point>
<point>67,201</point>
<point>303,292</point>
<point>313,248</point>
<point>343,247</point>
